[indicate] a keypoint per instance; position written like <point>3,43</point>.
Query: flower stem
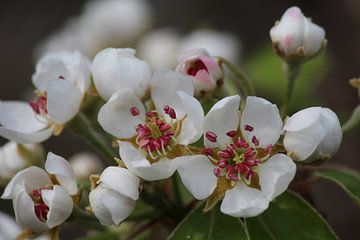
<point>353,122</point>
<point>291,71</point>
<point>176,189</point>
<point>81,126</point>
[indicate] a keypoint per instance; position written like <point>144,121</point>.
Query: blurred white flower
<point>217,43</point>
<point>149,141</point>
<point>103,23</point>
<point>15,157</point>
<point>8,227</point>
<point>313,134</point>
<point>39,203</point>
<point>62,80</point>
<point>114,198</point>
<point>201,68</point>
<point>85,164</point>
<point>296,36</point>
<point>239,162</point>
<point>160,48</point>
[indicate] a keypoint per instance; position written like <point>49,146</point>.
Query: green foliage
<point>210,226</point>
<point>265,70</point>
<point>347,179</point>
<point>289,217</point>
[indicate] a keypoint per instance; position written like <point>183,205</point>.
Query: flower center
<point>39,104</point>
<point>196,66</point>
<point>41,209</point>
<point>239,160</point>
<point>157,136</point>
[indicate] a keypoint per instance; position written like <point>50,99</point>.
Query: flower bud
<point>15,157</point>
<point>114,198</point>
<point>296,38</point>
<point>114,69</point>
<point>85,164</point>
<point>203,70</point>
<point>313,134</point>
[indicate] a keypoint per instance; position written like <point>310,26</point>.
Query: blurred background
<point>161,29</point>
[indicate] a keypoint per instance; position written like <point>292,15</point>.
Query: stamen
<point>208,151</point>
<point>255,141</point>
<point>61,77</point>
<point>211,136</point>
<point>134,111</point>
<point>170,111</point>
<point>231,133</point>
<point>248,128</point>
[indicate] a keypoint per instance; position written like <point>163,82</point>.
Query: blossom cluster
<point>241,152</point>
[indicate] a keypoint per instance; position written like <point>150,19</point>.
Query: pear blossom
<point>42,199</point>
<point>101,24</point>
<point>160,48</point>
<point>85,164</point>
<point>151,141</point>
<point>14,157</point>
<point>295,36</point>
<point>8,227</point>
<point>240,165</point>
<point>113,199</point>
<point>114,69</point>
<point>203,70</point>
<point>217,43</point>
<point>313,134</point>
<point>61,80</point>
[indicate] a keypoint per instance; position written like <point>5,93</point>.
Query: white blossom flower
<point>8,227</point>
<point>295,35</point>
<point>39,203</point>
<point>313,134</point>
<point>239,162</point>
<point>61,80</point>
<point>114,198</point>
<point>160,48</point>
<point>85,164</point>
<point>217,43</point>
<point>204,70</point>
<point>114,69</point>
<point>14,158</point>
<point>151,142</point>
<point>102,24</point>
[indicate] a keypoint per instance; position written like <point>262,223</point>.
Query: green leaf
<point>289,217</point>
<point>209,226</point>
<point>265,70</point>
<point>347,179</point>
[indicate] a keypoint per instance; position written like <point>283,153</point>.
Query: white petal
<point>222,118</point>
<point>63,100</point>
<point>197,175</point>
<point>331,142</point>
<point>191,129</point>
<point>25,212</point>
<point>23,138</point>
<point>8,227</point>
<point>165,85</point>
<point>115,69</point>
<point>314,36</point>
<point>34,178</point>
<point>302,119</point>
<point>109,206</point>
<point>19,117</point>
<point>135,160</point>
<point>276,174</point>
<point>264,117</point>
<point>122,181</point>
<point>63,172</point>
<point>115,117</point>
<point>243,201</point>
<point>60,205</point>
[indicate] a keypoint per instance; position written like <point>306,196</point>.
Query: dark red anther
<point>217,172</point>
<point>241,143</point>
<point>231,133</point>
<point>268,149</point>
<point>255,141</point>
<point>41,211</point>
<point>196,66</point>
<point>166,109</point>
<point>248,128</point>
<point>222,163</point>
<point>134,111</point>
<point>211,136</point>
<point>151,114</point>
<point>225,154</point>
<point>172,113</point>
<point>61,77</point>
<point>208,151</point>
